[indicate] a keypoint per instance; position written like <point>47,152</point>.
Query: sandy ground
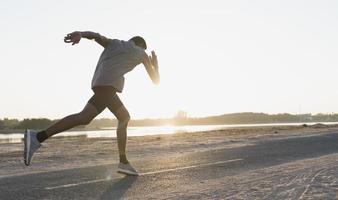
<point>296,180</point>
<point>75,152</point>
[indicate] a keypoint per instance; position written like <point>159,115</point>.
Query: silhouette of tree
<point>2,125</point>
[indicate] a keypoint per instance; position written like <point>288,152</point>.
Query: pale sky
<point>215,57</point>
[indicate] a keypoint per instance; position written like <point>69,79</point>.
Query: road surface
<point>291,168</point>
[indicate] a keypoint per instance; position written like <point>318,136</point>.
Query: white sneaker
<point>127,169</point>
<point>31,145</point>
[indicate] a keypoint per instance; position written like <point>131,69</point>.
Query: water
<point>110,132</point>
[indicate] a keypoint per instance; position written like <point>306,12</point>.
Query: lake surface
<point>110,132</point>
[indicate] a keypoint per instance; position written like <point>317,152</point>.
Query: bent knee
<point>123,120</point>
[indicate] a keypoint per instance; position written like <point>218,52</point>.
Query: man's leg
<point>82,118</point>
<point>123,117</point>
<point>33,140</point>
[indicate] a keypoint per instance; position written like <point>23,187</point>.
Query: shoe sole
<point>127,172</point>
<point>27,147</point>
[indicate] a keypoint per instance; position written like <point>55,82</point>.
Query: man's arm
<point>76,36</point>
<point>151,65</point>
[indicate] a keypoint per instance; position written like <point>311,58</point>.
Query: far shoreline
<point>240,125</point>
<point>18,131</point>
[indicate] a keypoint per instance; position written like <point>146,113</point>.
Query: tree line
<point>181,119</point>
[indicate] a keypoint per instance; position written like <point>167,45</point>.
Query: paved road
<point>165,176</point>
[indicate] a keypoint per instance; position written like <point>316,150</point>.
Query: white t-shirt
<point>118,58</point>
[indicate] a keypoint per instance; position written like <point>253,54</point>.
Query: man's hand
<point>153,60</point>
<point>151,65</point>
<point>76,36</point>
<point>73,38</point>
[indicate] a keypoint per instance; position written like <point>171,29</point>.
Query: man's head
<point>139,41</point>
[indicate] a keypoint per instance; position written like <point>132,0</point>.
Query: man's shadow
<point>116,190</point>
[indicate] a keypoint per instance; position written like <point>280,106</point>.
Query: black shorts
<point>105,97</point>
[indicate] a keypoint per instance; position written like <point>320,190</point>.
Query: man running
<point>117,58</point>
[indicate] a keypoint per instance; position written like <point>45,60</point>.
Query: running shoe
<point>31,145</point>
<point>127,169</point>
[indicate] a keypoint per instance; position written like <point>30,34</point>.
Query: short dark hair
<point>139,41</point>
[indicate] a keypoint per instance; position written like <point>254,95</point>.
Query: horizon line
<point>188,117</point>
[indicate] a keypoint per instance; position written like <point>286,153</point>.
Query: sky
<point>215,57</point>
